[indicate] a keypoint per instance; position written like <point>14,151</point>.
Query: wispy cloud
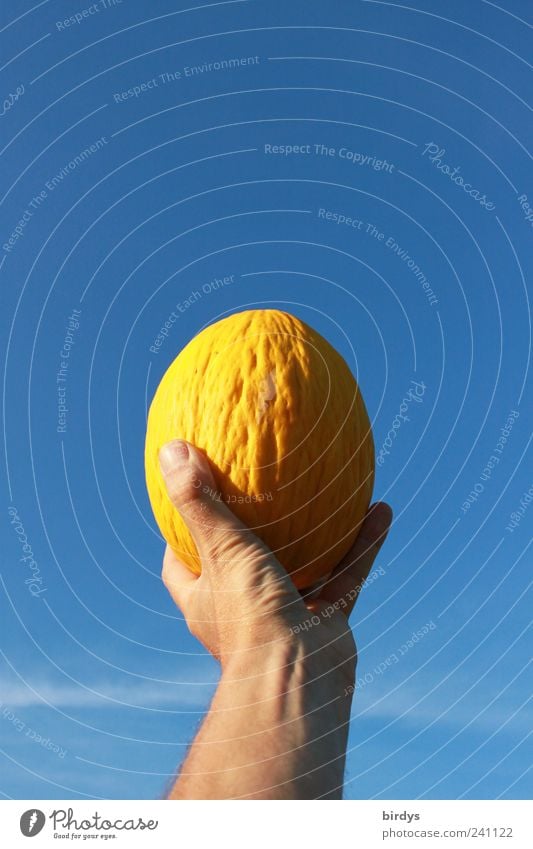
<point>409,706</point>
<point>106,694</point>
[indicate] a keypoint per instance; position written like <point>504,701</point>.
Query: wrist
<point>291,679</point>
<point>300,707</point>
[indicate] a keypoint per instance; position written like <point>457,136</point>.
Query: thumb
<point>191,486</point>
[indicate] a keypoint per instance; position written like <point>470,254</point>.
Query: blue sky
<point>389,111</point>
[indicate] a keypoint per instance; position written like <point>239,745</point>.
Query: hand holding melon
<point>280,417</point>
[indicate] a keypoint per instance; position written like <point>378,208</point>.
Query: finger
<point>193,491</point>
<point>347,579</point>
<point>177,578</point>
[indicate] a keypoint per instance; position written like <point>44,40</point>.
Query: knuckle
<point>182,488</point>
<point>210,535</point>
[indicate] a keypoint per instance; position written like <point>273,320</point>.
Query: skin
<point>278,724</point>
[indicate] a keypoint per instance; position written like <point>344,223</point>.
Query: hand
<point>244,599</point>
<point>278,724</point>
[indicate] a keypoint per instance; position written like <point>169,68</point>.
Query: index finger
<point>348,577</point>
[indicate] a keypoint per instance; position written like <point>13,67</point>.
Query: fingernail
<point>175,453</point>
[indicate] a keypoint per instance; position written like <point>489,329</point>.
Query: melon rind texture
<point>280,416</point>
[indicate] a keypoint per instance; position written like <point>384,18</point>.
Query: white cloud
<point>408,705</point>
<point>106,694</point>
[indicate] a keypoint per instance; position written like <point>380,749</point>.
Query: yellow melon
<point>279,414</point>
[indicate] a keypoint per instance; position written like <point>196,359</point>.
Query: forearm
<point>276,729</point>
